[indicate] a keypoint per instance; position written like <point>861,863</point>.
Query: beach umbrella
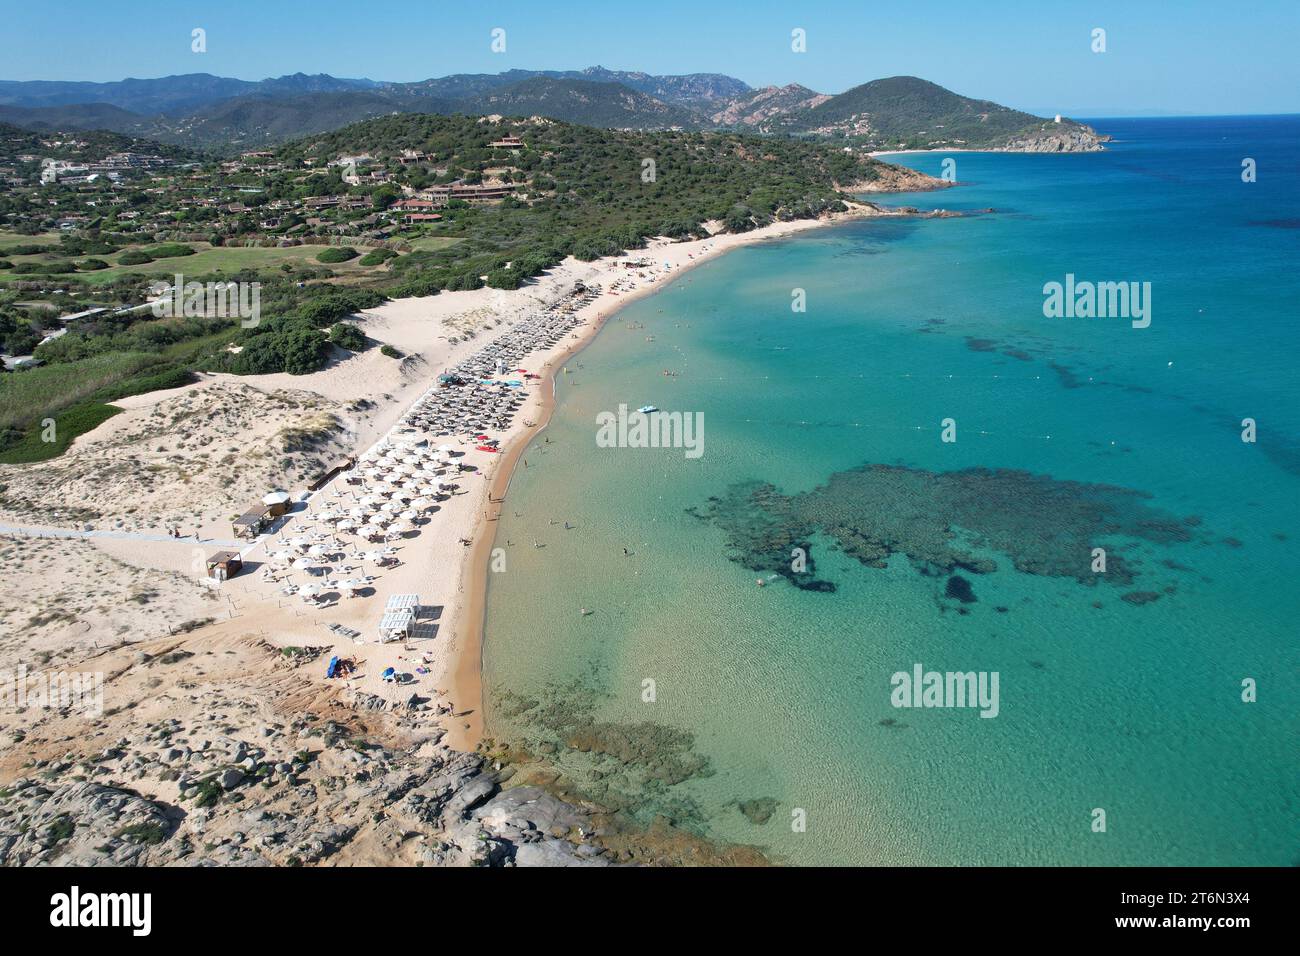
<point>317,551</point>
<point>408,516</point>
<point>347,524</point>
<point>304,564</point>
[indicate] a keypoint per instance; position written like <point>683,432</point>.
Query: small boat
<point>647,409</point>
<point>488,448</point>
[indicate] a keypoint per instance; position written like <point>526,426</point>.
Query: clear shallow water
<point>1134,708</point>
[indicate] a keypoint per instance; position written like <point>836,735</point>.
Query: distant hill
<point>766,108</point>
<point>165,94</point>
<point>693,89</point>
<point>201,111</point>
<point>78,116</point>
<point>610,105</point>
<point>247,122</point>
<point>906,111</point>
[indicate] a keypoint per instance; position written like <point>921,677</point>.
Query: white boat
<point>647,409</point>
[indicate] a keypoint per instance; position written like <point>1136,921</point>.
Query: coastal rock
<point>81,824</point>
<point>1058,138</point>
<point>230,779</point>
<point>554,853</point>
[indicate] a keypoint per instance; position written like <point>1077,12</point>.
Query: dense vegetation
<point>579,191</point>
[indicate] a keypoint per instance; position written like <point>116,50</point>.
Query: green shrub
<point>170,250</point>
<point>377,257</point>
<point>464,282</point>
<point>209,793</point>
<point>149,834</point>
<point>390,352</point>
<point>60,267</point>
<point>347,336</point>
<point>336,254</point>
<point>134,257</point>
<point>92,265</point>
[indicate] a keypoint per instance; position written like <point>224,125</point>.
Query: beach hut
<point>277,503</point>
<point>403,602</point>
<point>251,523</point>
<point>224,565</point>
<point>396,625</point>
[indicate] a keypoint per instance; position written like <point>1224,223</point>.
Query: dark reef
<point>945,522</point>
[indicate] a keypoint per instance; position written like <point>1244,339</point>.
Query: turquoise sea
<point>1119,691</point>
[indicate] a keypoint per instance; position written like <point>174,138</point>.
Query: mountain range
<point>222,114</point>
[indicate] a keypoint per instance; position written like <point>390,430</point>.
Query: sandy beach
<point>153,490</point>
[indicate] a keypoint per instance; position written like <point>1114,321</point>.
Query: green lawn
<point>10,239</point>
<point>206,260</point>
<point>433,243</point>
<point>209,259</point>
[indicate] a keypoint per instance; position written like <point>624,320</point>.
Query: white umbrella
<point>317,551</point>
<point>408,516</point>
<point>347,524</point>
<point>303,564</point>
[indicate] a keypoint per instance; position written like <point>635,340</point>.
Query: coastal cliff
<point>1058,138</point>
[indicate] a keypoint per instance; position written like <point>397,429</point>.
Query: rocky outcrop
<point>1058,138</point>
<point>890,178</point>
<point>302,795</point>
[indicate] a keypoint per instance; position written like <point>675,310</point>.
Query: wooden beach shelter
<point>252,522</point>
<point>277,503</point>
<point>224,565</point>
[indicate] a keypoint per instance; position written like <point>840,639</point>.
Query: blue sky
<point>1176,56</point>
